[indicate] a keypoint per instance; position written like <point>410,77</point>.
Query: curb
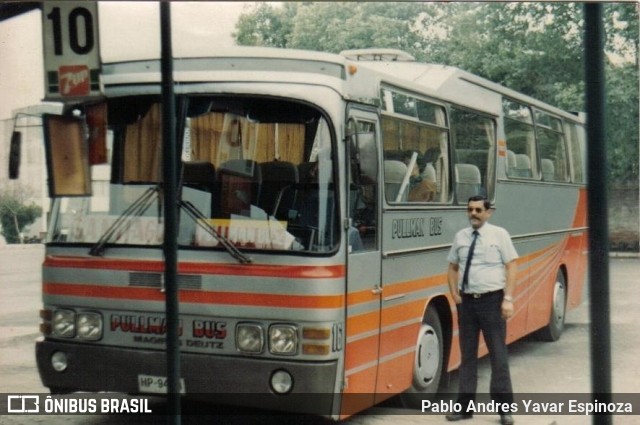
<point>624,255</point>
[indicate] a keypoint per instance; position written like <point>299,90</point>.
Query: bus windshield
<point>255,174</point>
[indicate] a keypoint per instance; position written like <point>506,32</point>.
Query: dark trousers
<point>483,314</point>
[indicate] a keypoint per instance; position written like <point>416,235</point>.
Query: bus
<point>318,197</point>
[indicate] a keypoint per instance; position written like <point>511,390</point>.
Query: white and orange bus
<point>318,197</point>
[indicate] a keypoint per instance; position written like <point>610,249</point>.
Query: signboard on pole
<point>71,49</point>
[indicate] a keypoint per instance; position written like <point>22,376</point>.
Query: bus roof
<point>355,74</point>
<point>455,85</point>
<point>237,64</point>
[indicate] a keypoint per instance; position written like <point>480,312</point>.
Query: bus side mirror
<point>14,155</point>
<point>67,156</point>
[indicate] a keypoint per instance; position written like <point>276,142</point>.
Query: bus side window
<point>521,140</point>
<point>576,144</point>
<point>428,177</point>
<point>468,182</point>
<point>475,141</point>
<point>551,143</point>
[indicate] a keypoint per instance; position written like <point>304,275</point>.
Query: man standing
<point>482,280</point>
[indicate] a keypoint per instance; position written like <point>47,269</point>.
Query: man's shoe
<point>458,417</point>
<point>506,420</point>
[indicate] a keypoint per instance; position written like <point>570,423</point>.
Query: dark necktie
<point>465,277</point>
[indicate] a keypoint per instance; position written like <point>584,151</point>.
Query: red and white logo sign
<point>74,80</point>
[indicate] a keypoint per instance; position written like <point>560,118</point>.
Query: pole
<point>169,156</point>
<point>597,211</point>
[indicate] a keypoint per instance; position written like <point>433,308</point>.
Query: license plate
<point>156,384</point>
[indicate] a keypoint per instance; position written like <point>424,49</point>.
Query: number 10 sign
<point>71,49</point>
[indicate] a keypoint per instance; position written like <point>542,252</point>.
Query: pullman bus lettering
<point>407,228</point>
<point>140,324</point>
<point>209,329</point>
<point>435,226</point>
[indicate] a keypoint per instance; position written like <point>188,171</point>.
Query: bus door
<point>363,259</point>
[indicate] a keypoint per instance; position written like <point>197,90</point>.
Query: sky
<point>128,30</point>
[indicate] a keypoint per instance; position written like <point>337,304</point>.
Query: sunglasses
<point>477,210</point>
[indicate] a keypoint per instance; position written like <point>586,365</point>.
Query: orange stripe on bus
<point>361,297</point>
<point>534,255</point>
<point>266,270</point>
<point>395,376</point>
<point>403,312</point>
<point>370,322</point>
<point>358,394</point>
<point>361,352</point>
<point>197,297</point>
<point>362,323</point>
<point>399,339</point>
<point>391,289</point>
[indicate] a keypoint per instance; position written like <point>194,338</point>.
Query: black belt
<point>482,295</point>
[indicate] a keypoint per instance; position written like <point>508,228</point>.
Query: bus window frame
<point>538,114</point>
<point>352,137</point>
<point>532,145</point>
<point>453,154</point>
<point>386,94</point>
<point>575,137</point>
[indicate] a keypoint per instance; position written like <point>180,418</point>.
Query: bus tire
<point>553,330</point>
<point>428,362</point>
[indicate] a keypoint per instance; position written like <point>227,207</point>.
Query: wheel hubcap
<point>559,303</point>
<point>427,357</point>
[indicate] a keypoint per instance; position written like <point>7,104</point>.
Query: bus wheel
<point>428,362</point>
<point>555,327</point>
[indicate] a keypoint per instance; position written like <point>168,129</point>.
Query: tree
<point>332,27</point>
<point>622,123</point>
<point>266,25</point>
<point>15,213</point>
<point>528,47</point>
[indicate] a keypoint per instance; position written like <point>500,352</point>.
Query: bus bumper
<point>234,381</point>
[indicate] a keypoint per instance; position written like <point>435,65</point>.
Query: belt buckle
<point>476,296</point>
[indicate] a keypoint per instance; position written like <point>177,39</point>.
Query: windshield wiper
<point>202,221</point>
<point>123,222</point>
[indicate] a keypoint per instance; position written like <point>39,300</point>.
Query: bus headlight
<point>283,339</point>
<point>281,382</point>
<point>249,338</point>
<point>89,326</point>
<point>63,323</point>
<point>59,361</point>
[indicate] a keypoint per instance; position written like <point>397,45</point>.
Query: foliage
<point>530,47</point>
<point>15,213</point>
<point>622,123</point>
<point>266,25</point>
<point>333,27</point>
<point>535,48</point>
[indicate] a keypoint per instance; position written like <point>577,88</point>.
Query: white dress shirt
<point>493,250</point>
